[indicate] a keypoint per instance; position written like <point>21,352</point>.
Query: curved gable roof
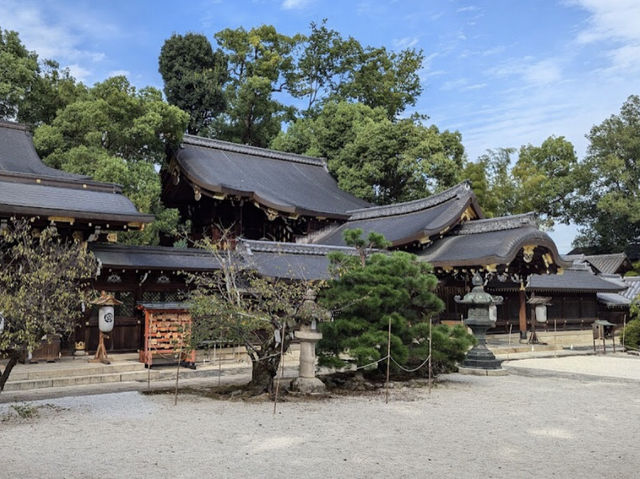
<point>18,155</point>
<point>404,223</point>
<point>495,241</point>
<point>289,183</point>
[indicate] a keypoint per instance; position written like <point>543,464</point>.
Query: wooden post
<point>430,351</point>
<point>388,362</point>
<point>175,399</point>
<point>275,398</point>
<point>523,313</point>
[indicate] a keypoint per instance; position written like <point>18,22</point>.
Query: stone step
<point>31,372</point>
<point>156,374</point>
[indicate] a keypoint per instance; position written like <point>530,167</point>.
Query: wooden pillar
<point>523,315</point>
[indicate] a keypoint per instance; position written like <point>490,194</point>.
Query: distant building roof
<point>616,263</point>
<point>633,283</point>
<point>577,278</point>
<point>404,223</point>
<point>613,300</point>
<point>285,182</point>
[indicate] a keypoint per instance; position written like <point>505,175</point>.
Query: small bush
<point>25,411</point>
<point>631,334</point>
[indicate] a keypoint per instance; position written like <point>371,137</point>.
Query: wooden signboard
<point>164,333</point>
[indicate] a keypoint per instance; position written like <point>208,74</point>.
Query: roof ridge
<point>14,125</point>
<point>500,223</point>
<point>253,150</point>
<point>293,248</point>
<point>80,183</point>
<point>410,206</point>
<point>149,249</point>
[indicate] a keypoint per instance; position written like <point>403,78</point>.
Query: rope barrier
<point>411,370</point>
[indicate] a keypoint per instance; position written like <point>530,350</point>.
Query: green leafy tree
<point>118,134</point>
<point>32,90</point>
<point>260,63</point>
<point>608,205</point>
<point>393,288</point>
<point>234,305</point>
<point>18,72</point>
<point>43,282</point>
<point>194,77</point>
<point>544,179</point>
<point>377,159</point>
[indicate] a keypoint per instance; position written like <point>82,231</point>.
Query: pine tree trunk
<point>13,359</point>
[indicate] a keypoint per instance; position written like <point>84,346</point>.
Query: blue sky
<point>502,72</point>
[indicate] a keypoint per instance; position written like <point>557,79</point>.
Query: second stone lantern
<point>479,320</point>
<point>308,316</point>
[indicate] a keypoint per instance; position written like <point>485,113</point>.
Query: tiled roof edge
<point>252,150</point>
<point>14,126</point>
<point>294,248</point>
<point>498,224</point>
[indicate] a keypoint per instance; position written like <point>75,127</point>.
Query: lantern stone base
<point>307,385</point>
<point>482,371</point>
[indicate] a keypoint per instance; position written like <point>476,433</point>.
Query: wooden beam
<point>523,315</point>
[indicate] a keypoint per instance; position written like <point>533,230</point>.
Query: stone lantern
<point>308,316</point>
<point>479,319</point>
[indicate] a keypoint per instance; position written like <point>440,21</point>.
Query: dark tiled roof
<point>613,300</point>
<point>28,187</point>
<point>577,278</point>
<point>290,260</point>
<point>609,263</point>
<point>403,223</point>
<point>59,199</point>
<point>283,181</point>
<point>491,241</point>
<point>18,155</point>
<point>633,283</point>
<point>153,257</point>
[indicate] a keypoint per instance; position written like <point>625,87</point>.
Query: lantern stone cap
<point>106,300</point>
<point>478,296</point>
<point>310,310</point>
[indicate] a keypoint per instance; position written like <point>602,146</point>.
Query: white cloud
<point>468,8</point>
<point>57,34</point>
<point>295,4</point>
<point>79,73</point>
<point>614,23</point>
<point>405,42</point>
<point>530,71</point>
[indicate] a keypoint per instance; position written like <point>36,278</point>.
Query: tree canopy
<point>44,280</point>
<point>116,133</point>
<point>377,159</point>
<point>31,89</point>
<point>366,296</point>
<point>194,76</point>
<point>608,200</point>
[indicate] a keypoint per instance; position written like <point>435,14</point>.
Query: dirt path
<point>511,426</point>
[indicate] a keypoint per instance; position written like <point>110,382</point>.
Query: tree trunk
<point>265,368</point>
<point>13,359</point>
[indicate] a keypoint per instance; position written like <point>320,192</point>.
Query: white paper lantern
<point>106,319</point>
<point>493,313</point>
<point>541,313</point>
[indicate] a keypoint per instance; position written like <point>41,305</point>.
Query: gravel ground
<point>511,426</point>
